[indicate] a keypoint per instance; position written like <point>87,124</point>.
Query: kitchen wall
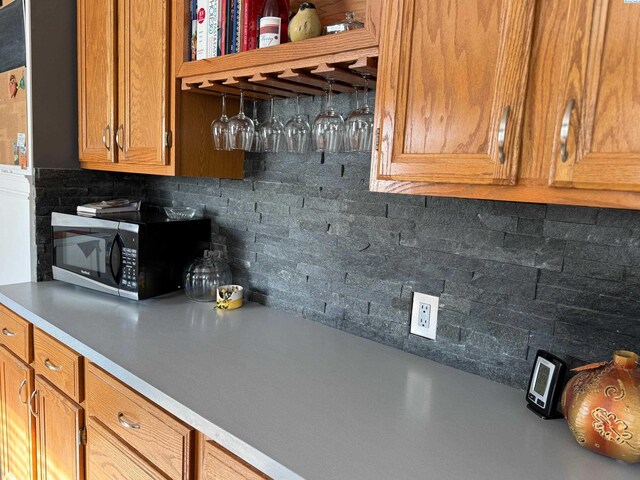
<point>304,234</point>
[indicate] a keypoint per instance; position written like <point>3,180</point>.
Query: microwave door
<point>86,251</point>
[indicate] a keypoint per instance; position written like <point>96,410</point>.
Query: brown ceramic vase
<point>602,407</point>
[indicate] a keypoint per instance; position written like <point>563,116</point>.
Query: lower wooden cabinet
<point>60,433</point>
<point>109,458</point>
<point>217,463</point>
<point>16,423</point>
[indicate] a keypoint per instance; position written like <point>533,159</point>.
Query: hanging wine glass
<point>297,132</point>
<point>256,144</point>
<point>328,127</point>
<point>220,128</point>
<point>360,125</point>
<point>241,129</point>
<point>348,147</point>
<point>272,132</point>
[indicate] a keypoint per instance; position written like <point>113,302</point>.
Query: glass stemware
<point>328,127</point>
<point>241,129</point>
<point>348,147</point>
<point>359,128</point>
<point>256,144</point>
<point>220,128</point>
<point>297,132</point>
<point>272,132</point>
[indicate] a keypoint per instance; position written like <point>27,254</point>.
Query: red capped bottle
<point>274,23</point>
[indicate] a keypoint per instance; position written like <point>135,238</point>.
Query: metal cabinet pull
<point>7,333</point>
<point>104,137</point>
<point>120,129</point>
<point>22,385</point>
<point>564,130</point>
<point>31,409</point>
<point>51,366</point>
<point>502,133</point>
<point>125,424</point>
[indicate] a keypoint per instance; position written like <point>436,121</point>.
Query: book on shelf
<point>212,28</point>
<point>194,29</point>
<point>118,205</point>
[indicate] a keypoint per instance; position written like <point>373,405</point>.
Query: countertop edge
<point>237,446</point>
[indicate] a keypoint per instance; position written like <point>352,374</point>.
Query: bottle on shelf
<point>274,23</point>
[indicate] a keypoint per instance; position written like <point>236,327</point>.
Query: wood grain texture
<point>447,72</point>
<point>96,80</point>
<point>16,334</point>
<point>17,427</point>
<point>59,419</point>
<point>601,74</point>
<point>69,377</point>
<point>13,115</point>
<point>217,463</point>
<point>108,458</point>
<point>143,66</point>
<point>162,440</point>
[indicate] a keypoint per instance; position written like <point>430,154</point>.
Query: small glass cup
<point>297,132</point>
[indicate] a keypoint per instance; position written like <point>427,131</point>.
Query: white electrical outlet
<point>424,315</point>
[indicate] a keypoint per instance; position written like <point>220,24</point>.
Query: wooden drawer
<point>16,334</point>
<point>59,364</point>
<point>160,438</point>
<point>220,464</point>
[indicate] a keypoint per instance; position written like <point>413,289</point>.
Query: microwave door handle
<point>118,241</point>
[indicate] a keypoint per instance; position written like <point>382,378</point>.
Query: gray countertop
<point>298,399</point>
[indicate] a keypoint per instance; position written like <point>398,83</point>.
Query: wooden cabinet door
<point>143,65</point>
<point>451,89</point>
<point>599,102</point>
<point>16,423</point>
<point>96,80</point>
<point>108,458</point>
<point>219,464</point>
<point>59,424</point>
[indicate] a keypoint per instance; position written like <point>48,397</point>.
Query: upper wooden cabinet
<point>452,80</point>
<point>132,114</point>
<point>597,137</point>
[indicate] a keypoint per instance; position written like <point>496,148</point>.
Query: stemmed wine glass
<point>220,128</point>
<point>347,134</point>
<point>256,144</point>
<point>272,132</point>
<point>328,127</point>
<point>241,129</point>
<point>359,126</point>
<point>297,132</point>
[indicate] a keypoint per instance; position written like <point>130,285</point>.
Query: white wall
<point>15,229</point>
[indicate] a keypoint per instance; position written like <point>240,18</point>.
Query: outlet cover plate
<point>424,315</point>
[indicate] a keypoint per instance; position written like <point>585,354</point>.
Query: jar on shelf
<point>204,275</point>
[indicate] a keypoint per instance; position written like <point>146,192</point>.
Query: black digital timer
<point>545,385</point>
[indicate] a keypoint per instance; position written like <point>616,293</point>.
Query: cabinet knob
<point>22,385</point>
<point>51,366</point>
<point>126,424</point>
<point>564,129</point>
<point>502,133</point>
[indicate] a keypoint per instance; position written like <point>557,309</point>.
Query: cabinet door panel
<point>448,73</point>
<point>108,458</point>
<point>59,420</point>
<point>601,71</point>
<point>143,87</point>
<point>96,80</point>
<point>17,427</point>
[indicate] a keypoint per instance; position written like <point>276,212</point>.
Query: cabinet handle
<point>7,333</point>
<point>51,366</point>
<point>564,129</point>
<point>125,424</point>
<point>502,133</point>
<point>31,409</point>
<point>104,137</point>
<point>22,385</point>
<point>120,129</point>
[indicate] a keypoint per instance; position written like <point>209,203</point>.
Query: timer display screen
<point>541,381</point>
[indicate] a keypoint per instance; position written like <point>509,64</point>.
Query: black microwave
<point>135,255</point>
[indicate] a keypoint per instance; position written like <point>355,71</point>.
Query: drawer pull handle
<point>51,366</point>
<point>120,145</point>
<point>7,333</point>
<point>564,130</point>
<point>125,424</point>
<point>31,409</point>
<point>22,385</point>
<point>502,133</point>
<point>105,137</point>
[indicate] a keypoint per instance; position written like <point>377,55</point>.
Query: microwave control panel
<point>129,268</point>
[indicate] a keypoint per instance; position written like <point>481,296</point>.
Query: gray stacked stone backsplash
<point>304,234</point>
